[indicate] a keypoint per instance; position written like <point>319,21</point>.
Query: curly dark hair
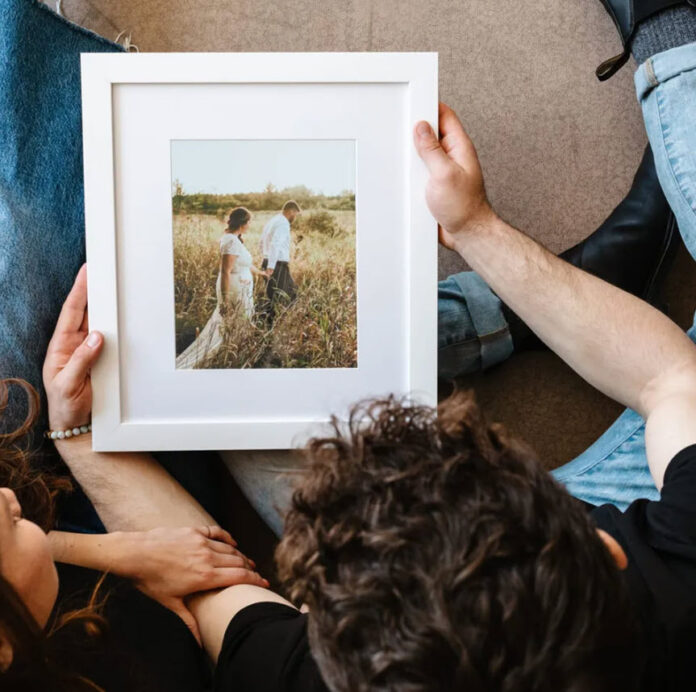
<point>435,553</point>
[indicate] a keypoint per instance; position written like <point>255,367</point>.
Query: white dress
<point>241,286</point>
<point>241,289</point>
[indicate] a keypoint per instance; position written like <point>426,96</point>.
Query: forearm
<point>615,341</point>
<point>106,552</point>
<point>225,285</point>
<point>130,491</point>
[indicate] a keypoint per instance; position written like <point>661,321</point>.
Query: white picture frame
<point>133,104</point>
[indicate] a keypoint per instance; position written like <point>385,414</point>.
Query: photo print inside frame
<point>264,241</point>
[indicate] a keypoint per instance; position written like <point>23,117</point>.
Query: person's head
<point>28,577</point>
<point>26,562</point>
<point>435,553</point>
<point>291,210</point>
<point>238,220</point>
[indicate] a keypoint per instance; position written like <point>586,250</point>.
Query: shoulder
<point>665,528</point>
<point>266,647</point>
<point>672,519</point>
<point>283,226</point>
<point>229,243</point>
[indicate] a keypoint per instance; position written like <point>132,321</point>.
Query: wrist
<point>80,442</point>
<point>67,432</point>
<point>66,420</point>
<point>482,222</point>
<point>123,552</point>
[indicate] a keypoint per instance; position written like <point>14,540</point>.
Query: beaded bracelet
<point>70,432</point>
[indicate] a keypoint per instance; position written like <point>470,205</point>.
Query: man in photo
<point>275,247</point>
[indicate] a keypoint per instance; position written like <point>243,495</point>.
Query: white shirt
<point>279,243</point>
<point>277,221</point>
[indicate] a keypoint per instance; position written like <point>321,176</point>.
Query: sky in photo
<point>236,166</point>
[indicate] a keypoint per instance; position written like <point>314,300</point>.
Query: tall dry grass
<point>319,330</point>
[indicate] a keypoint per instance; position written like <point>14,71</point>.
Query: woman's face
<point>25,559</point>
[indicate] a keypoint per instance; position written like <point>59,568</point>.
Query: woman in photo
<point>234,289</point>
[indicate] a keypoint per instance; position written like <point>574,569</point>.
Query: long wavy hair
<point>35,665</point>
<point>436,554</point>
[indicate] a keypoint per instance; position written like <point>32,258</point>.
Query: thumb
<point>83,357</point>
<point>178,607</point>
<point>429,149</point>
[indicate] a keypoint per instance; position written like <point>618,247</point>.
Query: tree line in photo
<point>271,198</point>
<point>304,318</point>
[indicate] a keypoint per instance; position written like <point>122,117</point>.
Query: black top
<point>660,541</point>
<point>266,649</point>
<point>144,648</point>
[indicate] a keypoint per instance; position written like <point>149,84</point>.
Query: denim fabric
<point>42,218</point>
<point>472,332</point>
<point>614,469</point>
<point>267,480</point>
<point>41,203</point>
<point>666,90</point>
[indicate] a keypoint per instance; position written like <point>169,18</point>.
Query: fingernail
<point>93,339</point>
<point>423,129</point>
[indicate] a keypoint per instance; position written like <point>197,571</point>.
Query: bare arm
<point>132,492</point>
<point>227,263</point>
<point>214,610</point>
<point>258,272</point>
<point>618,343</point>
<point>102,552</point>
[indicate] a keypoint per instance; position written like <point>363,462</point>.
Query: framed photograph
<point>260,253</point>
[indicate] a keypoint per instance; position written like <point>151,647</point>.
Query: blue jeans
<point>473,333</point>
<point>41,216</point>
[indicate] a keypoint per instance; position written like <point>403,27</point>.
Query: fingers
<point>429,149</point>
<point>237,560</point>
<point>232,576</point>
<point>454,140</point>
<point>77,368</point>
<point>224,549</point>
<point>72,314</point>
<point>219,534</point>
<point>84,327</point>
<point>453,145</point>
